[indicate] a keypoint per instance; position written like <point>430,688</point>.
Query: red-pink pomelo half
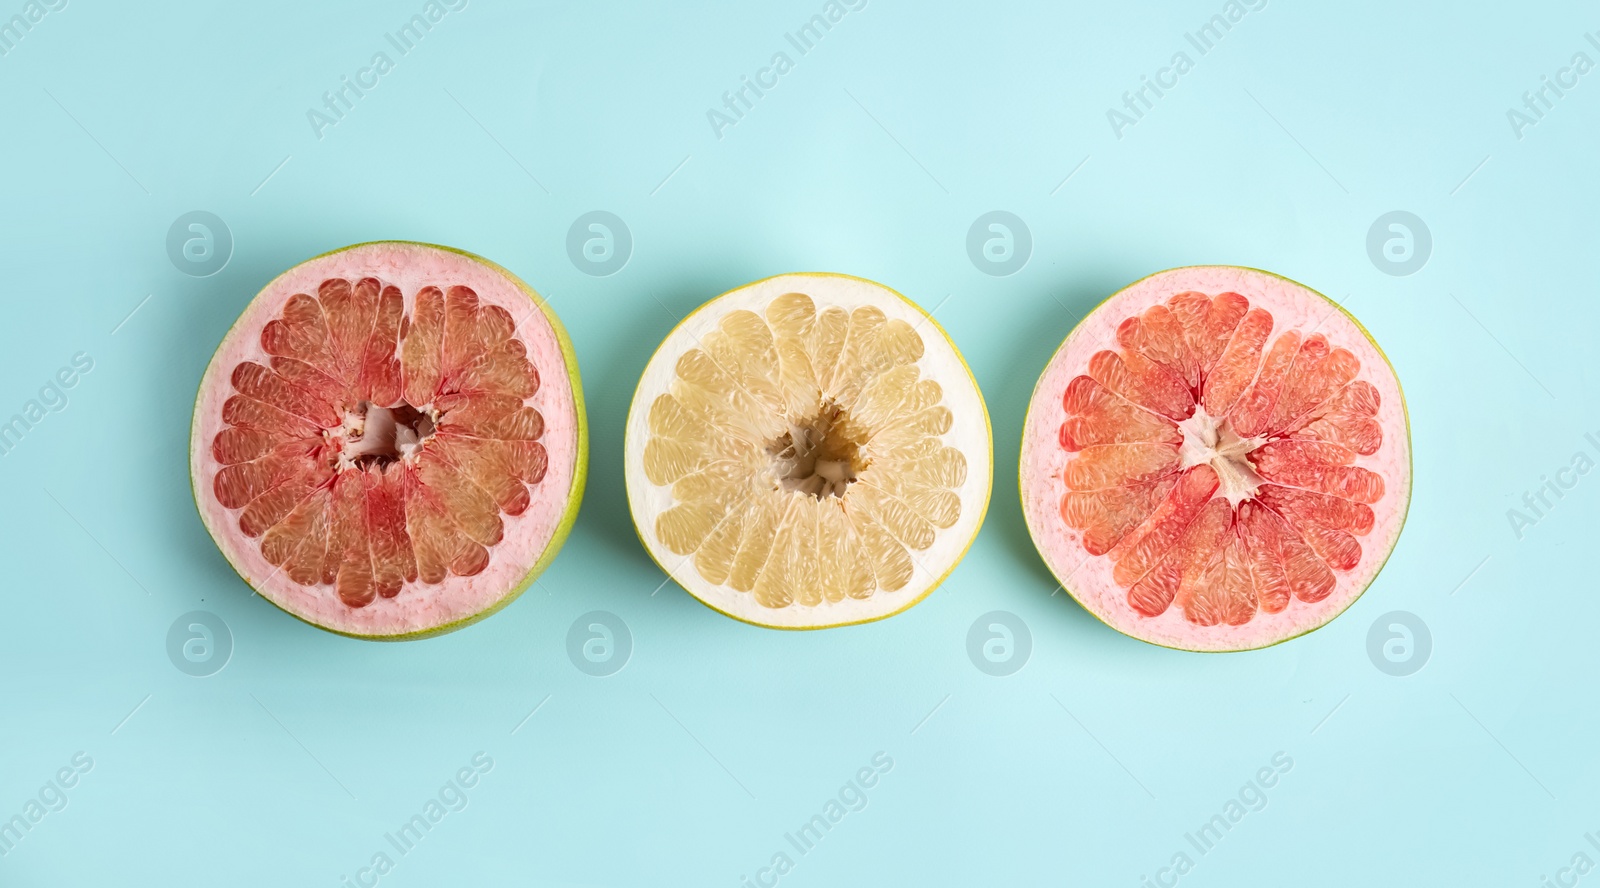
<point>390,443</point>
<point>1216,459</point>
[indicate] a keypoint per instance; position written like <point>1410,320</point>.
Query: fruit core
<point>1212,441</point>
<point>820,456</point>
<point>377,437</point>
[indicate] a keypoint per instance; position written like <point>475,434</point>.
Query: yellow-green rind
<point>988,429</point>
<point>1022,483</point>
<point>580,474</point>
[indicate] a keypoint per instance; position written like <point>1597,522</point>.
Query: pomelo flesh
<point>808,451</point>
<point>1216,458</point>
<point>390,443</point>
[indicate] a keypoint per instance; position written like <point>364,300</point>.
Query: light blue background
<point>872,156</point>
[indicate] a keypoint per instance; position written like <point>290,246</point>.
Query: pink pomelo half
<point>1216,459</point>
<point>390,442</point>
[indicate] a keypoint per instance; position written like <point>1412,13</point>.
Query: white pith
<point>375,431</point>
<point>1089,578</point>
<point>798,466</point>
<point>1210,440</point>
<point>791,468</point>
<point>419,607</point>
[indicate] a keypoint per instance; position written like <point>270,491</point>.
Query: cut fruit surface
<point>1215,459</point>
<point>390,442</point>
<point>808,451</point>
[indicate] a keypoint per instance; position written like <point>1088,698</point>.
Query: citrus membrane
<point>807,451</point>
<point>390,442</point>
<point>1216,458</point>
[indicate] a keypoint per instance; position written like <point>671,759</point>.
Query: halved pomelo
<point>808,451</point>
<point>390,442</point>
<point>1216,459</point>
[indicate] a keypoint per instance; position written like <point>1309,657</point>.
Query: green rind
<point>1405,413</point>
<point>580,474</point>
<point>988,429</point>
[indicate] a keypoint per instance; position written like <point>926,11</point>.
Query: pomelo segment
<point>390,443</point>
<point>808,451</point>
<point>1216,459</point>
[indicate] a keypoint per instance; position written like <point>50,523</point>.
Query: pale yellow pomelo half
<point>807,451</point>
